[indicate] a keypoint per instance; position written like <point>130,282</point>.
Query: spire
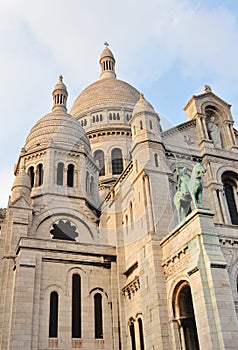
<point>107,63</point>
<point>60,95</point>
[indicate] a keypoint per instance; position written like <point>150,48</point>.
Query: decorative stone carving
<point>131,288</point>
<point>214,132</point>
<point>176,264</point>
<point>64,230</point>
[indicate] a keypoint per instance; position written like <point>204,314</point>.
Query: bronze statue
<point>189,190</point>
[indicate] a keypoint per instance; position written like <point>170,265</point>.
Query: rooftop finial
<point>106,44</point>
<point>61,77</point>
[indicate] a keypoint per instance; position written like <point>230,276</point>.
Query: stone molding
<point>131,288</point>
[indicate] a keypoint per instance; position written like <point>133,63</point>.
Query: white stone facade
<point>92,254</point>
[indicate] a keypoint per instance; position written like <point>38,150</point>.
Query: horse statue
<point>189,190</point>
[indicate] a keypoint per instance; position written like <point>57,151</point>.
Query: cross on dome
<point>106,44</point>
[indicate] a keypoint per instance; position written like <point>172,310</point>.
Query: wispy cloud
<point>153,41</point>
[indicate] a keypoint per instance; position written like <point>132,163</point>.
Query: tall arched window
<point>99,159</point>
<point>98,316</point>
<point>117,163</point>
<point>184,314</point>
<point>87,182</point>
<point>230,182</point>
<point>131,215</point>
<point>60,174</point>
<point>156,160</point>
<point>31,173</point>
<point>141,334</point>
<point>132,334</point>
<point>76,306</point>
<point>39,174</point>
<point>70,175</point>
<point>53,320</point>
<point>91,185</point>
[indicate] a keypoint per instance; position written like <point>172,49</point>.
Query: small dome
<point>143,106</point>
<point>22,180</point>
<point>60,85</point>
<point>106,53</point>
<point>59,129</point>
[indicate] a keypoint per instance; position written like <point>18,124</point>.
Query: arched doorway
<point>184,317</point>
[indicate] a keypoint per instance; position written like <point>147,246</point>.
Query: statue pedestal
<point>192,253</point>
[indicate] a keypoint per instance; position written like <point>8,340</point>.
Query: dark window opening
<point>187,319</point>
<point>99,159</point>
<point>53,322</point>
<point>76,306</point>
<point>60,174</point>
<point>70,175</point>
<point>64,230</point>
<point>132,334</point>
<point>156,160</point>
<point>140,324</point>
<point>117,163</point>
<point>229,192</point>
<point>98,316</point>
<point>31,173</point>
<point>39,175</point>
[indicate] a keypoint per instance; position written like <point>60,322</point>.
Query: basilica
<point>119,234</point>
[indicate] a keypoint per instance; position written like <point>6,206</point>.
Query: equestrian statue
<point>189,190</point>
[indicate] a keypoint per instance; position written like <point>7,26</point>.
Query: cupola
<point>145,122</point>
<point>107,63</point>
<point>21,186</point>
<point>60,95</point>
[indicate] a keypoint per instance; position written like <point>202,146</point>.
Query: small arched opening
<point>230,185</point>
<point>184,317</point>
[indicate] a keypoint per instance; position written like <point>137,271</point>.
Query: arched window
<point>99,159</point>
<point>98,316</point>
<point>31,173</point>
<point>76,306</point>
<point>141,334</point>
<point>132,334</point>
<point>230,182</point>
<point>151,125</point>
<point>126,224</point>
<point>110,116</point>
<point>141,124</point>
<point>39,174</point>
<point>70,175</point>
<point>117,164</point>
<point>131,215</point>
<point>87,183</point>
<point>60,174</point>
<point>184,314</point>
<point>53,320</point>
<point>156,160</point>
<point>91,185</point>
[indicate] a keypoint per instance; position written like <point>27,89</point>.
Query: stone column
<point>23,303</point>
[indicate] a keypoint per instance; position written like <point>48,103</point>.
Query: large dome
<point>109,92</point>
<point>58,129</point>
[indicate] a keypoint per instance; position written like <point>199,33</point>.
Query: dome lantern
<point>60,95</point>
<point>107,63</point>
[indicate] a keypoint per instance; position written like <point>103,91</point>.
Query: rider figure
<point>183,179</point>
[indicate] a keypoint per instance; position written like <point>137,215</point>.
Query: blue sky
<point>167,49</point>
